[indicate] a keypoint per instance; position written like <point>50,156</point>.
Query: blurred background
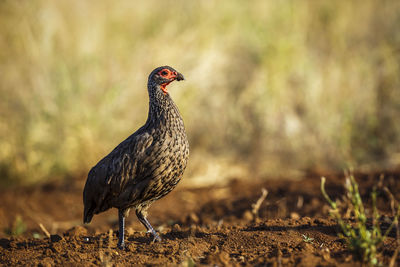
<point>273,88</point>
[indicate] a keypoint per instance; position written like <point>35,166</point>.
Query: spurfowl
<point>144,167</point>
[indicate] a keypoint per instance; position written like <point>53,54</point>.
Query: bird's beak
<point>179,77</point>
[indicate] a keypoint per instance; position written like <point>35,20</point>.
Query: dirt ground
<point>199,226</point>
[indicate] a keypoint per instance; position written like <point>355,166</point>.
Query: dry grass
<point>271,85</point>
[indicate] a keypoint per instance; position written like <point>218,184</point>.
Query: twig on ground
<point>44,230</point>
<point>256,206</point>
<point>392,262</point>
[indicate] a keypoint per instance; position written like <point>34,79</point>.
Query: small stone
<point>285,261</point>
<point>193,218</point>
<point>46,262</point>
<point>130,231</point>
<point>248,216</point>
<point>176,228</point>
<point>326,254</point>
<point>55,238</point>
<point>294,215</point>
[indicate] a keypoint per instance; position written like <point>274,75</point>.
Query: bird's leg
<point>121,233</point>
<point>142,218</point>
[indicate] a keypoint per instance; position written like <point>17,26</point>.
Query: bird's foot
<point>121,245</point>
<point>156,237</point>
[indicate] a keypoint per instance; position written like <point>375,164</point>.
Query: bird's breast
<point>164,163</point>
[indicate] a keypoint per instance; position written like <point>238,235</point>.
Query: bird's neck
<point>162,108</point>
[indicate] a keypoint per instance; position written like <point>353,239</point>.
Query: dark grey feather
<point>144,167</point>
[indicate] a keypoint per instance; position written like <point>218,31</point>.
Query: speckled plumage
<point>147,165</point>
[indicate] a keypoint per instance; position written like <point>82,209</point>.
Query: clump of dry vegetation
<point>266,81</point>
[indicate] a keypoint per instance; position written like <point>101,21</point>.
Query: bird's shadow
<point>172,236</point>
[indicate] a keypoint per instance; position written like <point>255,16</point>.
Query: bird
<point>145,166</point>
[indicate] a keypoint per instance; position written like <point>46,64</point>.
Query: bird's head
<point>162,76</point>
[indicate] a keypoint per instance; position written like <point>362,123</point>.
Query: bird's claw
<point>156,237</point>
<point>121,245</point>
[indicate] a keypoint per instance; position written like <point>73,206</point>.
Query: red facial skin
<point>167,74</point>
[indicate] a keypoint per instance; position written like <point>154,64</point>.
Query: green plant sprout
<point>363,240</point>
<point>308,239</point>
<point>17,228</point>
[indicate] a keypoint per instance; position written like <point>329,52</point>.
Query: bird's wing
<point>111,175</point>
<point>124,163</point>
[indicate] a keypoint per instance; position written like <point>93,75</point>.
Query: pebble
<point>294,215</point>
<point>55,238</point>
<point>176,228</point>
<point>248,216</point>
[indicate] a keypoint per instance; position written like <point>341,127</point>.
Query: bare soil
<point>203,226</point>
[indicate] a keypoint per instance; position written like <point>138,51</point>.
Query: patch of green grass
<point>307,239</point>
<point>36,235</point>
<point>363,239</point>
<point>18,227</point>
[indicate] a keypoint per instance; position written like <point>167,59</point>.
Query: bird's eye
<point>164,73</point>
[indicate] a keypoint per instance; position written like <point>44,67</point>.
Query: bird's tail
<point>88,203</point>
<point>89,206</point>
<point>87,214</point>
